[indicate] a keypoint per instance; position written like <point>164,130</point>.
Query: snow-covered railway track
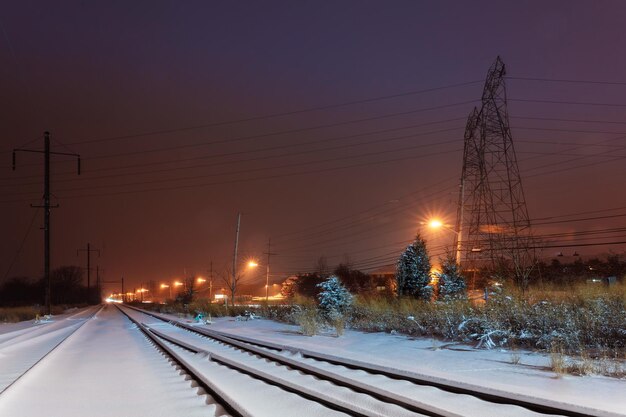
<point>27,349</point>
<point>408,391</point>
<point>211,378</point>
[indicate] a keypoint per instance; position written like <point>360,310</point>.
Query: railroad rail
<point>270,351</point>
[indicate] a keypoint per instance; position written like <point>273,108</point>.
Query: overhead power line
<point>574,103</point>
<point>272,156</point>
<point>560,80</point>
<point>273,115</point>
<point>242,180</point>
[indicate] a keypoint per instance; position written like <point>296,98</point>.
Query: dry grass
<point>308,321</point>
<point>15,314</point>
<point>558,362</point>
<point>339,323</point>
<point>582,317</point>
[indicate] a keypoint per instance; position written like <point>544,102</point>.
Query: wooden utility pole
<point>88,250</point>
<point>234,281</point>
<point>267,269</point>
<point>210,282</point>
<point>46,206</point>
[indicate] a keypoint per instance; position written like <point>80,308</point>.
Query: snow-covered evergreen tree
<point>334,299</point>
<point>413,270</point>
<point>451,282</point>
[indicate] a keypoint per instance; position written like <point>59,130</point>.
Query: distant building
<point>384,278</point>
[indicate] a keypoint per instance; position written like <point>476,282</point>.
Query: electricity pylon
<point>493,227</point>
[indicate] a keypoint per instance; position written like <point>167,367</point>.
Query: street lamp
<point>141,291</point>
<point>163,286</point>
<point>438,224</point>
<point>254,264</point>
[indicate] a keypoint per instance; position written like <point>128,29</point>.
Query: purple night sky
<point>141,91</point>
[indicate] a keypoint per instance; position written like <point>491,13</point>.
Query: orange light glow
<point>435,224</point>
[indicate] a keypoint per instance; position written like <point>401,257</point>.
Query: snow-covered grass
<point>583,327</point>
<point>582,319</point>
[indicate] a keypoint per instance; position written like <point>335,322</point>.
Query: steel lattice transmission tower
<point>493,227</point>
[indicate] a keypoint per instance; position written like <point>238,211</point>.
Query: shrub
<point>334,299</point>
<point>308,321</point>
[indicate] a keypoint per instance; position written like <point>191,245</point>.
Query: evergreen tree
<point>334,299</point>
<point>451,282</point>
<point>413,271</point>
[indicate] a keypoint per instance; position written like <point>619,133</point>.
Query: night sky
<point>186,113</point>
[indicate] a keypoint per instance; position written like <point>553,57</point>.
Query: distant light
<point>164,286</point>
<point>253,264</point>
<point>435,224</point>
<point>201,280</point>
<point>178,284</point>
<point>113,300</point>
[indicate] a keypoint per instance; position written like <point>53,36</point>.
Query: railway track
<point>372,390</point>
<point>31,347</point>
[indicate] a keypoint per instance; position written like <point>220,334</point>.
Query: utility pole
<point>267,270</point>
<point>46,206</point>
<point>210,281</point>
<point>88,250</point>
<point>234,282</point>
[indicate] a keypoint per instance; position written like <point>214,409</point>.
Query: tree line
<point>413,277</point>
<point>66,288</point>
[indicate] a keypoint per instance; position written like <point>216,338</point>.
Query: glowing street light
<point>141,291</point>
<point>252,264</point>
<point>163,286</point>
<point>435,224</point>
<point>200,280</point>
<point>438,224</point>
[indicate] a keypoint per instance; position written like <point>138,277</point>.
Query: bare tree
<point>231,281</point>
<point>321,267</point>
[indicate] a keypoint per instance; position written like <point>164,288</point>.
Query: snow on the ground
<point>422,396</point>
<point>106,368</point>
<point>488,368</point>
<point>20,349</point>
<point>6,329</point>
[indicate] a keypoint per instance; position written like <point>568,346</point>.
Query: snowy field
<point>107,367</point>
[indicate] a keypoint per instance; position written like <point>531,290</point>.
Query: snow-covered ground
<point>488,368</point>
<point>106,368</point>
